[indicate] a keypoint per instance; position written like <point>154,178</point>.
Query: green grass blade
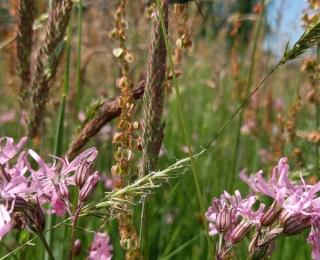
<point>185,130</point>
<point>78,61</point>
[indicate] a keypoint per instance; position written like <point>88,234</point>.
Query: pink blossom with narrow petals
<point>243,207</point>
<point>279,186</point>
<point>4,221</point>
<point>47,178</point>
<point>100,248</point>
<point>58,205</point>
<point>9,150</point>
<point>314,237</point>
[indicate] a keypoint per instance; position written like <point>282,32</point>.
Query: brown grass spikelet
<point>47,63</point>
<point>153,130</point>
<point>24,45</point>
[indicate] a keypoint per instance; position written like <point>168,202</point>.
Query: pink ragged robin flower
<point>49,181</point>
<point>8,151</point>
<point>100,248</point>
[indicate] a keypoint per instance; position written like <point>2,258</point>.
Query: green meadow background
<point>218,71</point>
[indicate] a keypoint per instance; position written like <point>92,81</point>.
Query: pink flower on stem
<point>13,183</point>
<point>100,248</point>
<point>5,218</point>
<point>314,238</point>
<point>108,182</point>
<point>243,207</point>
<point>279,185</point>
<point>49,181</point>
<point>9,150</point>
<point>211,216</point>
<point>303,200</point>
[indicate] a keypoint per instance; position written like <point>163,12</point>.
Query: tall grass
<point>203,145</point>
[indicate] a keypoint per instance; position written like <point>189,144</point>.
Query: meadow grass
<point>206,87</point>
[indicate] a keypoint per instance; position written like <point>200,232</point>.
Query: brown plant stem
<point>111,111</point>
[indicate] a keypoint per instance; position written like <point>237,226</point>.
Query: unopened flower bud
<point>285,214</point>
<point>35,218</point>
<point>240,231</point>
<point>89,187</point>
<point>15,204</point>
<point>63,191</point>
<point>296,223</point>
<point>83,172</point>
<point>271,215</point>
<point>77,247</point>
<point>259,253</point>
<point>223,221</point>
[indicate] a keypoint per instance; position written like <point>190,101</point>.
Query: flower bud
<point>83,172</point>
<point>223,220</point>
<point>63,191</point>
<point>35,218</point>
<point>89,187</point>
<point>271,215</point>
<point>285,214</point>
<point>259,253</point>
<point>296,223</point>
<point>240,231</point>
<point>77,247</point>
<point>15,204</point>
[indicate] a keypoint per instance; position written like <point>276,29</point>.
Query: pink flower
<point>303,200</point>
<point>48,180</point>
<point>247,127</point>
<point>279,186</point>
<point>100,248</point>
<point>243,207</point>
<point>13,183</point>
<point>58,205</point>
<point>222,216</point>
<point>9,150</point>
<point>314,238</point>
<point>249,180</point>
<point>4,221</point>
<point>108,182</point>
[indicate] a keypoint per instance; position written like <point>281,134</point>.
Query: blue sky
<point>290,26</point>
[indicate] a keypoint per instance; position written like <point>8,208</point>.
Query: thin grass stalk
<point>58,144</point>
<point>234,169</point>
<point>310,36</point>
<point>47,63</point>
<point>178,250</point>
<point>24,46</point>
<point>185,130</point>
<point>58,141</point>
<point>78,88</point>
<point>153,128</point>
<point>317,173</point>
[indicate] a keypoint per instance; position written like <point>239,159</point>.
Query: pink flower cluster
<point>24,189</point>
<point>296,207</point>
